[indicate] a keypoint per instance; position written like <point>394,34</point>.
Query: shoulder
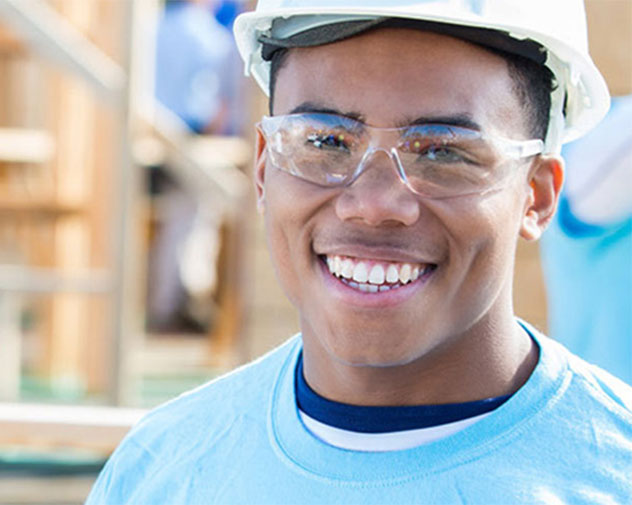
<point>214,404</point>
<point>600,391</point>
<point>609,390</point>
<point>209,421</point>
<point>571,378</point>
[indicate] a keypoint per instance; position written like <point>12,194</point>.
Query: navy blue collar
<point>365,419</point>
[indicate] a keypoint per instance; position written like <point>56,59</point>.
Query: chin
<point>372,349</point>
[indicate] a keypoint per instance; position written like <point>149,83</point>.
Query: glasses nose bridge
<point>391,152</point>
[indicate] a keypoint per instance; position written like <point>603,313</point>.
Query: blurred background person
<point>196,78</point>
<point>587,251</point>
<point>193,58</point>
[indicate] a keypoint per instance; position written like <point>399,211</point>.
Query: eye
<point>329,141</point>
<point>438,152</point>
<point>442,154</point>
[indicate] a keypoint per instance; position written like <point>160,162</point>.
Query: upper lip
<point>384,253</point>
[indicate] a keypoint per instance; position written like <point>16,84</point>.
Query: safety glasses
<point>433,160</point>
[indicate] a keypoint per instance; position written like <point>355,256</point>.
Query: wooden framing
<point>610,40</point>
<point>65,158</point>
<point>87,196</point>
<point>51,426</point>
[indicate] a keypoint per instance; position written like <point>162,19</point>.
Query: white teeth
<point>337,265</point>
<point>392,275</point>
<point>404,273</point>
<point>373,280</point>
<point>360,272</point>
<point>347,269</point>
<point>368,288</point>
<point>415,274</point>
<point>377,275</point>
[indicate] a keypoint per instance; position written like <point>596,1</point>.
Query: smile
<point>371,276</point>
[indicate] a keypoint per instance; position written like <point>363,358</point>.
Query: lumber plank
<point>48,426</point>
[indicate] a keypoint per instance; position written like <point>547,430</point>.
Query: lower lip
<point>381,299</point>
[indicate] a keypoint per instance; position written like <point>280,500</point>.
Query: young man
<point>410,145</point>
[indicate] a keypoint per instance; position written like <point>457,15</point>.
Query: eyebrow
<point>321,109</point>
<point>461,120</point>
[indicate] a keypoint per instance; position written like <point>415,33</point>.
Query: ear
<point>545,183</point>
<point>260,168</point>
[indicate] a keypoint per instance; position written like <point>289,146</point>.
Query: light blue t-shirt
<point>564,437</point>
<point>588,268</point>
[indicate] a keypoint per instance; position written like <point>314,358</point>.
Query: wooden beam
<point>46,208</point>
<point>40,425</point>
<point>9,44</point>
<point>206,166</point>
<point>52,36</point>
<point>20,145</point>
<point>10,343</point>
<point>610,41</point>
<point>18,279</point>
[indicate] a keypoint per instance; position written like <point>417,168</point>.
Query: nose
<point>378,196</point>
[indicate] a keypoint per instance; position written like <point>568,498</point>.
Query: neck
<point>489,360</point>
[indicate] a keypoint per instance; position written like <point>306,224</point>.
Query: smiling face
<point>442,268</point>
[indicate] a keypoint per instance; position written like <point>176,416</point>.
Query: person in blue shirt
<point>587,251</point>
<point>194,57</point>
<point>409,146</point>
<point>195,80</point>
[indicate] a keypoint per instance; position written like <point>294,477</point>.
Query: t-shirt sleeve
<point>122,475</point>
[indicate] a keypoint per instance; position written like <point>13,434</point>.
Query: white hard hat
<point>579,101</point>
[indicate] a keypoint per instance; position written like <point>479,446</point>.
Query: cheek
<point>278,225</point>
<point>482,240</point>
<point>290,210</point>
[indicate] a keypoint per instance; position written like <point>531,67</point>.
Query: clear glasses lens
<point>441,160</point>
<point>321,148</point>
<point>436,160</point>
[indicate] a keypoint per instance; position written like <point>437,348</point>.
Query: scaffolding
<point>124,87</point>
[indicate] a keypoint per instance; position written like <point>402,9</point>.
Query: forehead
<point>389,76</point>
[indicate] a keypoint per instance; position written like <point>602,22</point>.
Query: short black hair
<point>276,63</point>
<point>533,84</point>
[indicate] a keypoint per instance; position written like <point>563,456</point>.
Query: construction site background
<point>80,133</point>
